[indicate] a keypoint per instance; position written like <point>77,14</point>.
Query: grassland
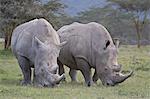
<point>136,87</point>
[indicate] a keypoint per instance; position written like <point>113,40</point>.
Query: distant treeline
<point>127,20</point>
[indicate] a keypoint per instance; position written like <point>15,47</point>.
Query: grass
<point>136,87</point>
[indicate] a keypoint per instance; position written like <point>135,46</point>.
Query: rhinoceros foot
<point>25,83</point>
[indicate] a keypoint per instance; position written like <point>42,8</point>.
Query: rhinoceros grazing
<point>36,44</point>
<point>90,46</point>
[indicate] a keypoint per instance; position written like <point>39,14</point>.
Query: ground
<point>136,87</point>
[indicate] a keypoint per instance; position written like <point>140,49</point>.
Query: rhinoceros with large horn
<point>36,44</point>
<point>90,46</point>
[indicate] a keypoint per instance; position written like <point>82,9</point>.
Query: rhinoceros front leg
<point>73,74</point>
<point>61,69</point>
<point>85,69</point>
<point>26,70</point>
<point>95,77</point>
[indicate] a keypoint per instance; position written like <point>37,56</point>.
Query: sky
<point>76,6</point>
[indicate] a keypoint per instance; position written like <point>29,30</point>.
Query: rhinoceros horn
<point>57,78</point>
<point>54,69</point>
<point>121,77</point>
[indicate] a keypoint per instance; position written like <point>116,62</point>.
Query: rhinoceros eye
<point>106,68</point>
<point>47,64</point>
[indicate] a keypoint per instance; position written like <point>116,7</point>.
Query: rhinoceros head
<point>108,69</point>
<point>46,66</point>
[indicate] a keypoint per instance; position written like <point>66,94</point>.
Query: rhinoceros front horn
<point>57,78</point>
<point>121,77</point>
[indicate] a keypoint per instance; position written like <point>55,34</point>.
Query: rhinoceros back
<point>90,31</point>
<point>24,34</point>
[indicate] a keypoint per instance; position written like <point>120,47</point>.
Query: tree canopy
<point>15,12</point>
<point>139,9</point>
<point>126,19</point>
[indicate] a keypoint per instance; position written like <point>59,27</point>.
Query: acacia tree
<point>52,11</point>
<point>139,9</point>
<point>113,19</point>
<point>15,12</point>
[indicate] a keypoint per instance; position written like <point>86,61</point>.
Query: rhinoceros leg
<point>73,74</point>
<point>61,68</point>
<point>85,69</point>
<point>26,70</point>
<point>95,77</point>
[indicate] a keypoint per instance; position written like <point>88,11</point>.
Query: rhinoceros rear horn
<point>54,69</point>
<point>121,77</point>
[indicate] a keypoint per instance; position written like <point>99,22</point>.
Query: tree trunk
<point>138,39</point>
<point>8,34</point>
<point>8,42</point>
<point>6,38</point>
<point>137,27</point>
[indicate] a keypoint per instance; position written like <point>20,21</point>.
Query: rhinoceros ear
<point>107,44</point>
<point>116,42</point>
<point>37,43</point>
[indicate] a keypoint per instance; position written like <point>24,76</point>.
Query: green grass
<point>136,87</point>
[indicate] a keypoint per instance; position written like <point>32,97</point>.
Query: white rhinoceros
<point>90,46</point>
<point>36,44</point>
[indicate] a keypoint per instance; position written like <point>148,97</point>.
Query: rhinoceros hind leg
<point>26,70</point>
<point>73,74</point>
<point>85,69</point>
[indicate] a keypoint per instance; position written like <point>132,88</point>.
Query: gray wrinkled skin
<point>90,46</point>
<point>36,44</point>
